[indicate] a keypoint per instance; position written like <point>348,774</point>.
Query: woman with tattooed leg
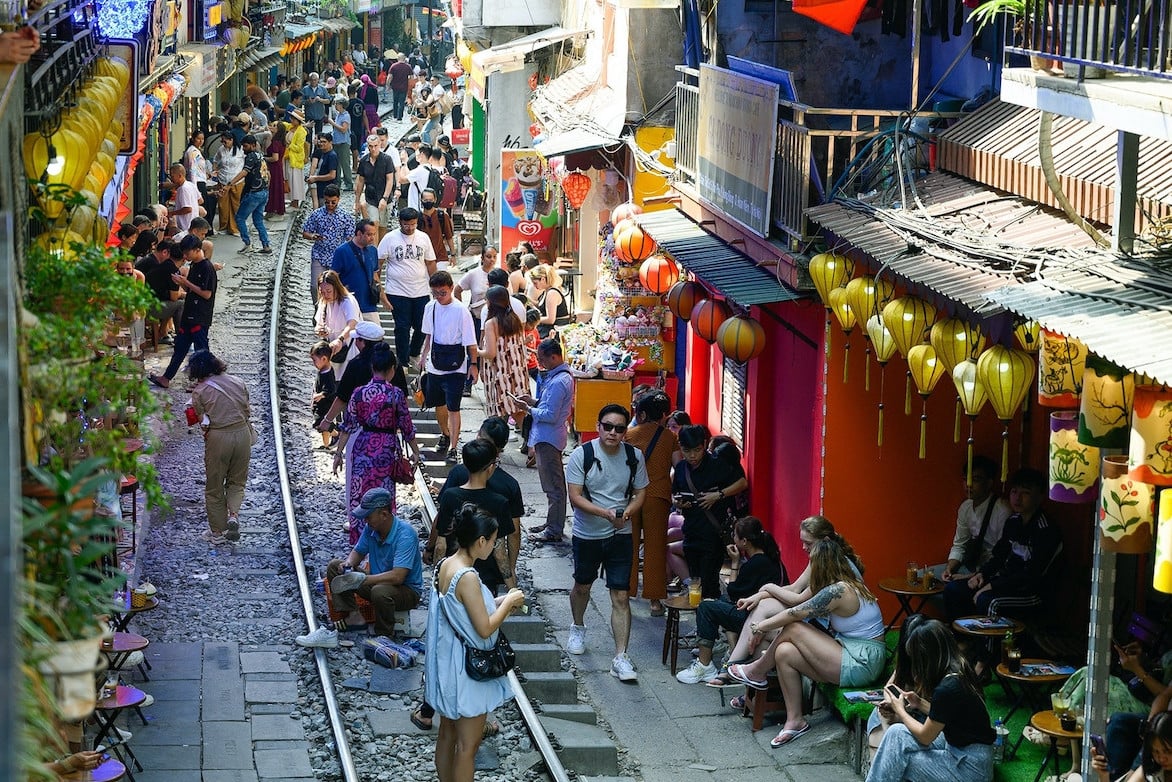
<point>851,655</point>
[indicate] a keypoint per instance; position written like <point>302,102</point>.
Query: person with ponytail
<point>754,547</point>
<point>463,612</point>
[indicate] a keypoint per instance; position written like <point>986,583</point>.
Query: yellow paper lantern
<point>741,339</point>
<point>69,166</point>
<point>1061,363</point>
<point>1162,578</point>
<point>884,349</point>
<point>829,271</point>
<point>926,369</point>
<point>846,318</point>
<point>1105,404</point>
<point>1150,450</point>
<point>955,340</point>
<point>1125,509</point>
<point>972,399</point>
<point>867,296</point>
<point>1006,375</point>
<point>1074,467</point>
<point>1028,335</point>
<point>908,319</point>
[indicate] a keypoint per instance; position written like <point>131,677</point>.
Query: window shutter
<point>732,400</point>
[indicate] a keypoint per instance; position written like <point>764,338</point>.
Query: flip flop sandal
<point>491,728</point>
<point>721,680</point>
<point>737,672</point>
<point>786,736</point>
<point>419,721</point>
<point>739,703</point>
<point>156,381</point>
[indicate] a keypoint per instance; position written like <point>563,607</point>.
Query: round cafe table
<point>106,713</point>
<point>671,631</point>
<point>124,610</point>
<point>1026,689</point>
<point>110,770</point>
<point>964,627</point>
<point>905,593</point>
<point>121,646</point>
<point>1047,722</point>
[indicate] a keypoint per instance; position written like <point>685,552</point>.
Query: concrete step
<point>436,468</point>
<point>538,657</point>
<point>523,629</point>
<point>574,712</point>
<point>582,746</point>
<point>553,687</point>
<point>425,425</point>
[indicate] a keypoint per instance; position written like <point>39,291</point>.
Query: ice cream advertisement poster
<point>529,197</point>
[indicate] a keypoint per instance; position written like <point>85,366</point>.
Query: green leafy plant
<point>987,12</point>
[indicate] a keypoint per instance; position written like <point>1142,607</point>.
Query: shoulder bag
<point>445,358</point>
<point>481,664</point>
<point>974,546</point>
<point>724,530</point>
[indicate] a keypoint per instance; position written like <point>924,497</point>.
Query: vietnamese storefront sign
<point>528,200</point>
<point>738,125</point>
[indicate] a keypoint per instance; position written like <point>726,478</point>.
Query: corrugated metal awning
<point>579,100</point>
<point>733,274</point>
<point>337,24</point>
<point>511,56</point>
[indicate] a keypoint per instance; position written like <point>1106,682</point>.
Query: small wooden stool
<point>671,630</point>
<point>1047,722</point>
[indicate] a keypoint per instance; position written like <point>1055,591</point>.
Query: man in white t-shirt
<point>475,281</point>
<point>409,260</point>
<point>450,356</point>
<point>187,197</point>
<point>417,179</point>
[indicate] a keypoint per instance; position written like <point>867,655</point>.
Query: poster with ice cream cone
<point>528,200</point>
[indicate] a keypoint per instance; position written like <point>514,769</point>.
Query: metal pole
<point>917,9</point>
<point>430,39</point>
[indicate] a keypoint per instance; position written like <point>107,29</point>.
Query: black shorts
<point>444,390</point>
<point>614,555</point>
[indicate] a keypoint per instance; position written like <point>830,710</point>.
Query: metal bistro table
<point>124,610</point>
<point>905,593</point>
<point>121,646</point>
<point>106,713</point>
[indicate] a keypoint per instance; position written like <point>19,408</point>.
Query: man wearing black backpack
<point>607,481</point>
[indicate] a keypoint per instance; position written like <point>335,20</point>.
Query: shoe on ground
<point>150,701</point>
<point>124,735</point>
<point>215,538</point>
<point>233,531</point>
<point>321,638</point>
<point>442,443</point>
<point>623,669</point>
<point>577,642</point>
<point>347,582</point>
<point>265,251</point>
<point>244,250</point>
<point>453,455</point>
<point>133,659</point>
<point>696,672</point>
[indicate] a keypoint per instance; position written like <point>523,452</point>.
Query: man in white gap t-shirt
<point>447,322</point>
<point>409,260</point>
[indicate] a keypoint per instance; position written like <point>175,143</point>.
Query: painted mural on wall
<point>528,200</point>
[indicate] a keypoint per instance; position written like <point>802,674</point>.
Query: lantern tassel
<point>969,463</point>
<point>956,423</point>
<point>880,440</point>
<point>828,332</point>
<point>907,394</point>
<point>867,371</point>
<point>924,432</point>
<point>1004,453</point>
<point>846,354</point>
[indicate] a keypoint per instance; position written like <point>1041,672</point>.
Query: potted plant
<point>1024,13</point>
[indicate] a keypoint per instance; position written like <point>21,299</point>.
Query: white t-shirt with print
<point>448,324</point>
<point>406,263</point>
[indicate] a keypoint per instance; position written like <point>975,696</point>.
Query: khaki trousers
<point>225,456</point>
<point>386,599</point>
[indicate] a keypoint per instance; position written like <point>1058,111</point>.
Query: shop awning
<point>511,56</point>
<point>576,140</point>
<point>271,58</point>
<point>337,24</point>
<point>295,31</point>
<point>255,58</point>
<point>578,111</point>
<point>717,263</point>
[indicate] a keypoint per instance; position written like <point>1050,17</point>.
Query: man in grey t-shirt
<point>607,480</point>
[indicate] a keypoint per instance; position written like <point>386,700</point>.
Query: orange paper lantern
<point>741,339</point>
<point>624,211</point>
<point>683,297</point>
<point>634,245</point>
<point>658,274</point>
<point>576,186</point>
<point>707,318</point>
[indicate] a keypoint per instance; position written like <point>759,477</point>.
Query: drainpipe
<point>917,9</point>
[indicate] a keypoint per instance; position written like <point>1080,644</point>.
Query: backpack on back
<point>589,460</point>
<point>449,193</point>
<point>435,182</point>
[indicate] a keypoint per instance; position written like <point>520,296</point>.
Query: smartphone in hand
<point>1099,745</point>
<point>894,692</point>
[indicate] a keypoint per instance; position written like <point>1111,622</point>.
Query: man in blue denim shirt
<point>548,437</point>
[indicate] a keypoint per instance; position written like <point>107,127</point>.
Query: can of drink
<point>191,416</point>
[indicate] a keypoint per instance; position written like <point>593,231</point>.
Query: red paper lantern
<point>623,211</point>
<point>576,186</point>
<point>534,130</point>
<point>683,297</point>
<point>707,318</point>
<point>741,339</point>
<point>658,274</point>
<point>634,245</point>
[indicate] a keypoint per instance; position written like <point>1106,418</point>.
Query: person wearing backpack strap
<point>607,482</point>
<point>438,226</point>
<point>649,527</point>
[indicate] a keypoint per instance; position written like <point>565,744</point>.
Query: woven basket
<point>618,374</point>
<point>138,599</point>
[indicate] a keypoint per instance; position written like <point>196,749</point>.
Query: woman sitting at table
<point>1157,755</point>
<point>955,742</point>
<point>851,656</point>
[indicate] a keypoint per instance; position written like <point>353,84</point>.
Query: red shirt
<point>398,75</point>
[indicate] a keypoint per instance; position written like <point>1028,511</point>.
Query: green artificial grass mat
<point>1024,766</point>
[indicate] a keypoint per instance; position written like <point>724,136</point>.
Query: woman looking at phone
<point>955,742</point>
<point>1156,765</point>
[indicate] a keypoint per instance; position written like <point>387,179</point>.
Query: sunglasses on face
<point>618,428</point>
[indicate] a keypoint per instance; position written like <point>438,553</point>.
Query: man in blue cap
<point>395,580</point>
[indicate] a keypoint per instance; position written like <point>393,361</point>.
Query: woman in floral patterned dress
<point>375,419</point>
<point>503,359</point>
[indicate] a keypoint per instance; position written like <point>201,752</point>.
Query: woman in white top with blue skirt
<point>851,655</point>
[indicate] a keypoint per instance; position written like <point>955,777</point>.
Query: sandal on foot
<point>491,728</point>
<point>657,608</point>
<point>737,672</point>
<point>786,736</point>
<point>722,679</point>
<point>157,381</point>
<point>739,703</point>
<point>419,721</point>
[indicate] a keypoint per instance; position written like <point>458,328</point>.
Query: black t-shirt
<point>712,474</point>
<point>358,374</point>
<point>757,571</point>
<point>197,311</point>
<point>374,177</point>
<point>158,279</point>
<point>451,500</point>
<point>253,180</point>
<point>328,161</point>
<point>962,712</point>
<point>357,111</point>
<point>500,482</point>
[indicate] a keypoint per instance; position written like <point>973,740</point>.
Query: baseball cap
<point>372,501</point>
<point>371,332</point>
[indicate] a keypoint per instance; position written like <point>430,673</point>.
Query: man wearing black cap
<point>395,580</point>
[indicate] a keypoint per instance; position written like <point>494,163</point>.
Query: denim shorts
<point>862,661</point>
<point>614,555</point>
<point>444,390</point>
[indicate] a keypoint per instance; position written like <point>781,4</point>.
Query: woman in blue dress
<point>464,611</point>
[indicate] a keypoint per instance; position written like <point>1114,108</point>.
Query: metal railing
<point>815,148</point>
<point>1129,36</point>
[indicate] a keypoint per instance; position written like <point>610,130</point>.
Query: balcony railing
<point>1129,36</point>
<point>816,150</point>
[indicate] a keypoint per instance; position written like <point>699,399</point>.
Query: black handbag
<point>482,664</point>
<point>445,358</point>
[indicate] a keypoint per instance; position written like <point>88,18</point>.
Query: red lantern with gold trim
<point>658,274</point>
<point>534,130</point>
<point>741,339</point>
<point>634,245</point>
<point>623,211</point>
<point>707,318</point>
<point>576,186</point>
<point>683,297</point>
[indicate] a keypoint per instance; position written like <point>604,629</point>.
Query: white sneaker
<point>696,672</point>
<point>150,701</point>
<point>577,642</point>
<point>623,669</point>
<point>125,735</point>
<point>322,638</point>
<point>135,658</point>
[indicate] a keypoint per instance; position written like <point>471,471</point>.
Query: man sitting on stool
<point>396,571</point>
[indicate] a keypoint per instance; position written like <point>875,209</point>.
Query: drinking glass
<point>913,573</point>
<point>694,593</point>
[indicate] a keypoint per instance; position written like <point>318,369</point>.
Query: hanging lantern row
<point>739,337</point>
<point>632,244</point>
<point>658,274</point>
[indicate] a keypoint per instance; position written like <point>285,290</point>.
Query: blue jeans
<point>712,615</point>
<point>253,204</point>
<point>1124,743</point>
<point>185,338</point>
<point>901,757</point>
<point>431,130</point>
<point>408,312</point>
<point>398,104</point>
